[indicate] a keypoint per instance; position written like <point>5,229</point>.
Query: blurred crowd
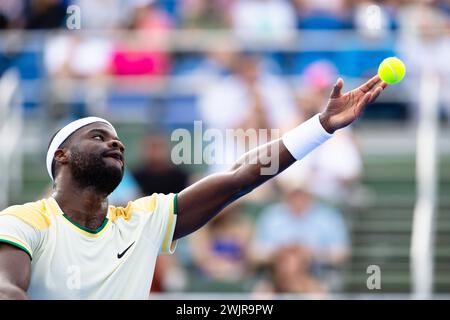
<point>136,38</point>
<point>273,16</point>
<point>291,235</point>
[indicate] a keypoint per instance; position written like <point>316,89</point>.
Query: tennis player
<point>73,245</point>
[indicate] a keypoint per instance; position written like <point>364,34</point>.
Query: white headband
<point>65,132</point>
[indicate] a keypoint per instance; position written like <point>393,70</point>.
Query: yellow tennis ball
<point>391,70</point>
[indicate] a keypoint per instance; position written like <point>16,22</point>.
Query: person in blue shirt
<point>301,219</point>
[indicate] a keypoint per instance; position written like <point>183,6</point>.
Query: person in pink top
<point>140,53</point>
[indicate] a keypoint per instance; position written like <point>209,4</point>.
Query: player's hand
<point>343,109</point>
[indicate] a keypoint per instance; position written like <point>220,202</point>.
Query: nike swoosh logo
<point>120,255</point>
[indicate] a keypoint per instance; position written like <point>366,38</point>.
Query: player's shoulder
<point>35,213</point>
<point>145,205</point>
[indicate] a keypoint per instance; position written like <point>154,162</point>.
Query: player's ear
<point>61,156</point>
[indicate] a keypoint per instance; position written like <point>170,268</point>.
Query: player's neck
<point>84,206</point>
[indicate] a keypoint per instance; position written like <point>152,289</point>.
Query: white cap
<point>64,133</point>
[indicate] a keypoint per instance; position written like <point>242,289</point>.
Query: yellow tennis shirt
<point>68,261</point>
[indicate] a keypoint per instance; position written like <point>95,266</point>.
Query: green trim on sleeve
<point>175,204</point>
<point>15,244</point>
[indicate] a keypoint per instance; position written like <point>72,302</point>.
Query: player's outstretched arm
<point>200,202</point>
<point>14,273</point>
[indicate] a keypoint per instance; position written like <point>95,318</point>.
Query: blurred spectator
<point>231,102</point>
<point>250,98</point>
<point>76,56</point>
<point>290,272</point>
<point>373,19</point>
<point>12,14</point>
<point>104,14</point>
<point>156,173</point>
<point>45,14</point>
<point>71,57</point>
<point>314,87</point>
<point>142,53</point>
<point>323,14</point>
<point>331,180</point>
<point>263,19</point>
<point>220,248</point>
<point>211,66</point>
<point>320,15</point>
<point>301,220</point>
<point>205,14</point>
<point>169,275</point>
<point>425,47</point>
<point>219,60</point>
<point>331,7</point>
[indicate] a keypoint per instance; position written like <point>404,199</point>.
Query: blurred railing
<point>10,134</point>
<point>427,155</point>
<point>188,41</point>
<point>207,40</point>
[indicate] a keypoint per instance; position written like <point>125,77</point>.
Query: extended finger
<point>336,92</point>
<point>369,84</point>
<point>377,90</point>
<point>376,93</point>
<point>362,104</point>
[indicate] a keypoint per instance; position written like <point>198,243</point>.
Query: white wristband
<point>305,138</point>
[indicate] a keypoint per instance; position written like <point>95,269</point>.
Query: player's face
<point>97,158</point>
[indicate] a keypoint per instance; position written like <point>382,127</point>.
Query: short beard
<point>91,171</point>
